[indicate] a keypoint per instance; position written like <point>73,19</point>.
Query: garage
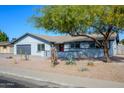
<point>24,49</point>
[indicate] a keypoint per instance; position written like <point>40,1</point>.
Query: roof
<point>4,43</point>
<point>66,38</point>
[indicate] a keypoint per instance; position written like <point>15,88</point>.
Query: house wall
<point>85,51</point>
<point>8,49</point>
<point>33,42</point>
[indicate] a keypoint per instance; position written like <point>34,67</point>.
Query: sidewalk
<point>65,80</point>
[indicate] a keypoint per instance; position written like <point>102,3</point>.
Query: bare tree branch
<point>99,30</point>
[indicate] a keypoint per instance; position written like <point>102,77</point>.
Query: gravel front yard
<point>108,71</point>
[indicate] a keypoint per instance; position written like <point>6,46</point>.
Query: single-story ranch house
<point>40,45</point>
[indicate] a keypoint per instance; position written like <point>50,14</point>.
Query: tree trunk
<point>106,53</point>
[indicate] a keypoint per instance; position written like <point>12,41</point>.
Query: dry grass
<point>108,71</point>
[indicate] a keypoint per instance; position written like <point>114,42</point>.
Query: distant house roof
<point>4,43</point>
<point>64,39</point>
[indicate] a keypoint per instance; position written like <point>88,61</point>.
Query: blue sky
<point>14,21</point>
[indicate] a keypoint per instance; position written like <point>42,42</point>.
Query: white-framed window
<point>75,45</point>
<point>40,47</point>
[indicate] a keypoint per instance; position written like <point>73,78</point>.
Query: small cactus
<point>15,62</point>
<point>70,60</point>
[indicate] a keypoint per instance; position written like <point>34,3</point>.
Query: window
<point>72,45</point>
<point>4,47</point>
<point>95,45</point>
<point>92,45</point>
<point>75,45</point>
<point>41,47</point>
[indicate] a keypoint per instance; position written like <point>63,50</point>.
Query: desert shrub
<point>55,63</point>
<point>90,64</point>
<point>83,69</point>
<point>10,57</point>
<point>70,61</point>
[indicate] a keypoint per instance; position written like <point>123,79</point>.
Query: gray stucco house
<point>40,45</point>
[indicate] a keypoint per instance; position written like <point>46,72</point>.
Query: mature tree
<point>3,37</point>
<point>83,21</point>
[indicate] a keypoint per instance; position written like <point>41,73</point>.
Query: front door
<point>61,47</point>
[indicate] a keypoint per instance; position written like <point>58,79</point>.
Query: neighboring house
<point>120,49</point>
<point>6,47</point>
<point>80,46</point>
